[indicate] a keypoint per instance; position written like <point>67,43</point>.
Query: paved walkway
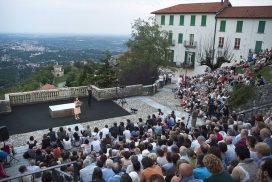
<point>164,100</point>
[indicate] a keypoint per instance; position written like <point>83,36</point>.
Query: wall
<point>249,35</point>
<point>202,35</point>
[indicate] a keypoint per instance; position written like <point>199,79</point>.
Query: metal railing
<point>55,168</point>
<point>190,44</point>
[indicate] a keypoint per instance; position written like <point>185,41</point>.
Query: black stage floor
<point>27,118</point>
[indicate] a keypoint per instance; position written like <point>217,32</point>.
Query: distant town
<point>22,54</point>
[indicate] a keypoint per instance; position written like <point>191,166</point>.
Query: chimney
<point>222,2</point>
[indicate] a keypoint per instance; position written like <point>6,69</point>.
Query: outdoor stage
<point>33,117</point>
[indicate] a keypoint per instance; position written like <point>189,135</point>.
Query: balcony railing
<point>190,44</point>
<point>187,65</point>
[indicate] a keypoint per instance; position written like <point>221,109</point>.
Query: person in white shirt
<point>96,144</point>
<point>67,144</point>
<point>105,131</point>
<point>127,133</point>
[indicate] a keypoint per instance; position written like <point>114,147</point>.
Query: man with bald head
<point>265,135</point>
<point>185,173</point>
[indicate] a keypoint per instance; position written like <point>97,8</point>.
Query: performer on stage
<point>90,94</point>
<point>77,110</point>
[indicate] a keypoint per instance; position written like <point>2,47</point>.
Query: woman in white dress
<point>77,110</point>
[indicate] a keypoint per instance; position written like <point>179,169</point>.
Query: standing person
<point>90,94</point>
<point>194,117</point>
<point>77,110</point>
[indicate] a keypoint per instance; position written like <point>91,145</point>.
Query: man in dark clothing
<point>90,94</point>
<point>130,126</point>
<point>114,130</point>
<point>52,136</point>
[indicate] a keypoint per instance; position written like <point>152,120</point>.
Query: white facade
<point>248,36</point>
<point>204,35</point>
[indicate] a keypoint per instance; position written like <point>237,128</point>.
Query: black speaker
<point>4,134</point>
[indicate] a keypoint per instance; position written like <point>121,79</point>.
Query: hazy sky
<point>113,17</point>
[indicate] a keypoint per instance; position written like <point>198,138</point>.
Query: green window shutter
<point>180,38</point>
<point>181,20</point>
<point>239,26</point>
<point>163,20</point>
<point>171,22</point>
<point>193,58</point>
<point>170,37</point>
<point>186,57</point>
<point>192,20</point>
<point>222,25</point>
<point>203,20</point>
<point>172,55</point>
<point>261,27</point>
<point>258,46</point>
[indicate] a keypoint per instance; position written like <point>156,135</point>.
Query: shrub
<point>240,95</point>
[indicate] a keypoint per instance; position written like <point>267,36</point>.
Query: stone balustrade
<point>117,92</point>
<point>39,96</point>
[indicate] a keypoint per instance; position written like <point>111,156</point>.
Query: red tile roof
<point>47,87</point>
<point>192,8</point>
<point>246,12</point>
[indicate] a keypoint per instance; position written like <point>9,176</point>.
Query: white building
<point>218,24</point>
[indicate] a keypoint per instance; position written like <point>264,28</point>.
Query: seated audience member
<point>185,173</point>
<point>215,167</point>
<point>200,172</point>
<point>149,169</point>
<point>27,178</point>
<point>31,142</point>
<point>46,142</point>
<point>117,170</point>
<point>263,152</point>
<point>247,168</point>
<point>67,143</point>
<point>266,171</point>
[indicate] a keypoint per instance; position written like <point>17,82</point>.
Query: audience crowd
<point>220,147</point>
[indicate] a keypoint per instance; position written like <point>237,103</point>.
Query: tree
<point>147,51</point>
<point>105,75</point>
<point>214,59</point>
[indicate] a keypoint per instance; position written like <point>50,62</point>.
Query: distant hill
<point>22,54</point>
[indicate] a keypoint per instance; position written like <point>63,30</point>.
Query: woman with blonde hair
<point>215,166</point>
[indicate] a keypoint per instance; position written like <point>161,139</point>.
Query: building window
<point>181,20</point>
<point>192,20</point>
<point>237,43</point>
<point>239,26</point>
<point>170,55</point>
<point>203,20</point>
<point>261,27</point>
<point>258,46</point>
<point>222,25</point>
<point>171,21</point>
<point>180,38</point>
<point>221,42</point>
<point>170,37</point>
<point>163,20</point>
<point>191,41</point>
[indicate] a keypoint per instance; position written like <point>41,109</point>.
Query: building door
<point>258,46</point>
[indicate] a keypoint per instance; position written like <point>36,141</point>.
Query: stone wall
<point>261,102</point>
<point>5,107</point>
